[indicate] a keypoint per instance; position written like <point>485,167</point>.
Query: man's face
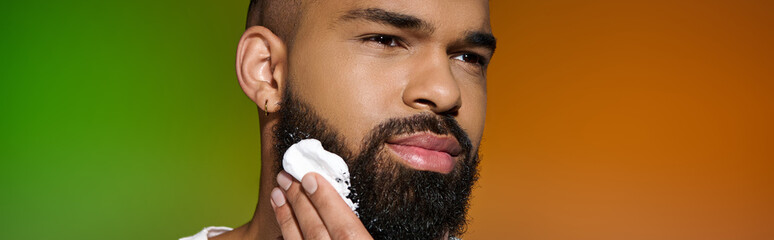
<point>399,91</point>
<point>357,68</point>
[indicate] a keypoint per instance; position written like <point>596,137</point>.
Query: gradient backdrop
<point>606,120</point>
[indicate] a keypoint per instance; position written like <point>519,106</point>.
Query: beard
<point>394,201</point>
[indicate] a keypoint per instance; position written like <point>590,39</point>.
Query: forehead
<point>443,15</point>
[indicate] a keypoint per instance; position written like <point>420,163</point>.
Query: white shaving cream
<point>308,156</point>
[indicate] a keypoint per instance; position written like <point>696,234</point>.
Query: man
<point>396,88</point>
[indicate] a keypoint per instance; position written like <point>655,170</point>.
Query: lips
<point>426,151</point>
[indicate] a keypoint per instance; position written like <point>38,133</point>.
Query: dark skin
<point>357,63</point>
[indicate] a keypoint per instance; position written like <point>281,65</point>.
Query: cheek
<point>473,111</point>
<point>353,93</point>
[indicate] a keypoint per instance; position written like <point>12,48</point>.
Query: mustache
<point>422,122</point>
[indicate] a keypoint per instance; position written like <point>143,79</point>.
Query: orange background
<point>628,120</point>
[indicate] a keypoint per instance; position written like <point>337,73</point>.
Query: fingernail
<point>277,197</point>
<point>310,183</point>
<point>283,180</point>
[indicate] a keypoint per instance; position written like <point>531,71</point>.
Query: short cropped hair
<point>280,16</point>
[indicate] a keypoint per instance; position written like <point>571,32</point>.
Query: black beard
<point>395,201</point>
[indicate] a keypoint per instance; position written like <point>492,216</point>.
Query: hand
<point>312,209</point>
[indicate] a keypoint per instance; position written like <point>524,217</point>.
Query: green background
<point>123,120</point>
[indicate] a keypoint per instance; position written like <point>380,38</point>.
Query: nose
<point>432,86</point>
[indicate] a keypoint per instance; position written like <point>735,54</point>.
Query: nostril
<point>430,105</point>
<point>426,102</point>
<point>452,112</point>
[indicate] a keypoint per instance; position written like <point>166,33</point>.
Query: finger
<point>339,219</point>
<point>284,215</point>
<point>309,221</point>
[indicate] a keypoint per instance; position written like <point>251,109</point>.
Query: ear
<point>261,67</point>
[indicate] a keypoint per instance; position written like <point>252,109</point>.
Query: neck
<point>263,225</point>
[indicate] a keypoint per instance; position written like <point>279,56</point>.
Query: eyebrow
<point>481,39</point>
<point>394,19</point>
<point>404,21</point>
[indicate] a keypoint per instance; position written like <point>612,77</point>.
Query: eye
<point>471,58</point>
<point>384,40</point>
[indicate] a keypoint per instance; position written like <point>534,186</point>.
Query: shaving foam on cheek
<point>308,155</point>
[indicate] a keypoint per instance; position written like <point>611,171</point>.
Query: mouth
<point>426,151</point>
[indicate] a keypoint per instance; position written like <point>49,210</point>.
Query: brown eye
<point>385,40</point>
<point>470,58</point>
